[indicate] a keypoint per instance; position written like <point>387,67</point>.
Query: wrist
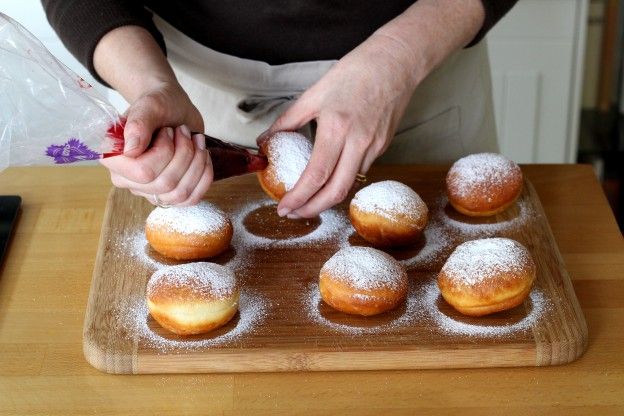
<point>414,64</point>
<point>131,61</point>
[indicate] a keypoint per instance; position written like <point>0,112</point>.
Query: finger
<point>202,187</point>
<point>149,198</point>
<point>168,178</point>
<point>298,114</point>
<point>338,186</point>
<point>325,154</point>
<point>146,167</point>
<point>191,177</point>
<point>144,117</point>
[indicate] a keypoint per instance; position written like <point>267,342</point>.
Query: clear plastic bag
<point>48,114</point>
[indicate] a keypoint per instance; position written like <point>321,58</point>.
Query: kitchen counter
<point>45,280</point>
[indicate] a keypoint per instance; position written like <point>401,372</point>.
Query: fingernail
<point>200,141</point>
<point>293,216</point>
<point>282,212</point>
<point>169,131</point>
<point>185,131</point>
<point>131,143</point>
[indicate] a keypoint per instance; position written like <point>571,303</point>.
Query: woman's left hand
<point>357,106</point>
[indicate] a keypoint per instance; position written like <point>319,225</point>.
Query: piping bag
<point>51,116</point>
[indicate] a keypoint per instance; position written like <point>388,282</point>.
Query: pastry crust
<point>483,184</point>
<point>486,276</point>
<point>189,233</point>
<point>363,281</point>
<point>193,298</point>
<point>388,213</point>
<point>288,154</point>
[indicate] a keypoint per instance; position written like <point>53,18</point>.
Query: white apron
<point>449,116</point>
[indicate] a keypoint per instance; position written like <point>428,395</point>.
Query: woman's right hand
<point>163,164</point>
<point>161,161</point>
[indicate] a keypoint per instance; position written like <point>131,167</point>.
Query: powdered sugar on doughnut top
<point>388,198</point>
<point>289,153</point>
<point>481,172</point>
<point>201,278</point>
<point>365,268</point>
<point>202,218</point>
<point>482,260</point>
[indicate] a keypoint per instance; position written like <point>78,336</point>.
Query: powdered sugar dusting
<point>482,173</point>
<point>482,260</point>
<point>135,245</point>
<point>289,153</point>
<point>438,242</point>
<point>477,227</point>
<point>410,316</point>
<point>334,225</point>
<point>198,219</point>
<point>133,315</point>
<point>365,268</point>
<point>202,278</point>
<point>388,198</point>
<point>429,295</point>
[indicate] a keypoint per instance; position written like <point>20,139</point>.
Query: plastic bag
<point>48,114</point>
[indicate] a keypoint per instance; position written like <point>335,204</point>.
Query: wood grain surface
<point>46,277</point>
<point>298,332</point>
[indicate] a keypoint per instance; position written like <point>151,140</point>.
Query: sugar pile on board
<point>429,295</point>
<point>135,245</point>
<point>388,198</point>
<point>526,213</point>
<point>334,225</point>
<point>132,318</point>
<point>289,153</point>
<point>312,300</point>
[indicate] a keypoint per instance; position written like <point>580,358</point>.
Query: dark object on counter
<point>9,208</point>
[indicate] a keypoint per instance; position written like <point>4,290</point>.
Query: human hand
<point>357,106</point>
<point>176,169</point>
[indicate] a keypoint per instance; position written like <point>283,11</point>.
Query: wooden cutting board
<point>282,324</point>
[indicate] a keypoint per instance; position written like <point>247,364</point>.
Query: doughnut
<point>483,184</point>
<point>288,154</point>
<point>362,281</point>
<point>189,233</point>
<point>388,213</point>
<point>488,275</point>
<point>192,298</point>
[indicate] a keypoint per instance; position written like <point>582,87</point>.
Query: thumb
<point>295,116</point>
<point>142,121</point>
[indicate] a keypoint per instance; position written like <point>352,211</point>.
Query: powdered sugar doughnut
<point>388,213</point>
<point>363,281</point>
<point>288,154</point>
<point>192,298</point>
<point>486,276</point>
<point>189,233</point>
<point>483,184</point>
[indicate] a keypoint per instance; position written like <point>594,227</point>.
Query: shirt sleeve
<point>82,23</point>
<point>494,11</point>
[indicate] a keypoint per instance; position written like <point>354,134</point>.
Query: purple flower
<point>72,151</point>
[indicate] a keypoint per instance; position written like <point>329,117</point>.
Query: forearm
<point>423,36</point>
<point>131,61</point>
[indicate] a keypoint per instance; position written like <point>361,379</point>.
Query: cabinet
<point>536,58</point>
